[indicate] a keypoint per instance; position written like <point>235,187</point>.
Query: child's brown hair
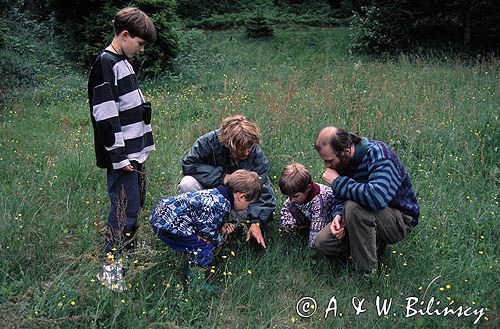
<point>238,133</point>
<point>295,178</point>
<point>136,22</point>
<point>247,182</point>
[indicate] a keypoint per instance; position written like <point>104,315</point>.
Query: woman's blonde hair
<point>295,178</point>
<point>247,182</point>
<point>238,133</point>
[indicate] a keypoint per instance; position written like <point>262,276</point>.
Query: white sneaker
<point>111,277</point>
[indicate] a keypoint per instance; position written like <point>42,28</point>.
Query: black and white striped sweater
<point>117,112</point>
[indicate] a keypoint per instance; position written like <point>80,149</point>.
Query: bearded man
<point>379,205</point>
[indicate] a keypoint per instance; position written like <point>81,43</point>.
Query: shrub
<point>94,31</point>
<point>379,29</point>
<point>258,27</point>
<point>204,8</point>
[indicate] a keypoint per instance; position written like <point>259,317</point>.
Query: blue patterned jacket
<point>195,213</point>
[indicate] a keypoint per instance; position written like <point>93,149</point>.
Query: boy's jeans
<point>200,252</point>
<point>127,192</point>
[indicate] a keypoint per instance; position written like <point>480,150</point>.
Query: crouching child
<point>196,222</point>
<point>307,210</point>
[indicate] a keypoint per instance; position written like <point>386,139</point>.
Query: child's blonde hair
<point>295,178</point>
<point>247,182</point>
<point>136,22</point>
<point>238,133</point>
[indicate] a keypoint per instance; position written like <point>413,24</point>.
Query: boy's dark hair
<point>136,22</point>
<point>295,178</point>
<point>247,182</point>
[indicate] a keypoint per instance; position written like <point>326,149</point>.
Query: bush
<point>94,31</point>
<point>204,8</point>
<point>28,54</point>
<point>258,27</point>
<point>379,29</point>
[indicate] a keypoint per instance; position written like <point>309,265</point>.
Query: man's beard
<point>345,167</point>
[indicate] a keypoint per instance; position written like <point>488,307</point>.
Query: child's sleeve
<point>288,221</point>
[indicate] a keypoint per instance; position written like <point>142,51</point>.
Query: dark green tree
<point>88,24</point>
<point>258,27</point>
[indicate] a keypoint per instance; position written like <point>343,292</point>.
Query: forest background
<point>421,75</point>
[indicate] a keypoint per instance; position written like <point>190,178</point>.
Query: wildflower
<point>72,302</point>
<point>233,253</point>
<point>448,286</point>
<point>249,272</point>
<point>293,319</point>
<point>441,289</point>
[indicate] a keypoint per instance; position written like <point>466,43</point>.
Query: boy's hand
<point>254,231</point>
<point>226,178</point>
<point>128,168</point>
<point>203,239</point>
<point>227,228</point>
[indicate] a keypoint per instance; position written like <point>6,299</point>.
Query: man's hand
<point>227,228</point>
<point>337,227</point>
<point>254,231</point>
<point>330,175</point>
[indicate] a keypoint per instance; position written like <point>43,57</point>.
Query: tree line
<point>379,26</point>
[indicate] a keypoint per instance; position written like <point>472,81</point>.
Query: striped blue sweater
<point>117,112</point>
<point>380,180</point>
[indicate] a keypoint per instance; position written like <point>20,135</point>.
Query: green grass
<point>441,115</point>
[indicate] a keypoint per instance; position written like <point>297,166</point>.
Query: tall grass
<point>439,114</point>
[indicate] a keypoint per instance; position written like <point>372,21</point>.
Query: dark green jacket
<point>209,160</point>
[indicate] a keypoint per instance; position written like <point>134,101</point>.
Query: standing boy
<point>122,134</point>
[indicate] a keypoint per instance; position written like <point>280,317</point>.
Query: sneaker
<point>111,276</point>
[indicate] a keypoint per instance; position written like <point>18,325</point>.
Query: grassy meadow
<point>440,113</point>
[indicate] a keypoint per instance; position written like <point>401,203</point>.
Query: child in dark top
<point>122,134</point>
<point>307,210</point>
<point>196,222</point>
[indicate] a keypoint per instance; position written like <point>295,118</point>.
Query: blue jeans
<point>127,192</point>
<point>200,252</point>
